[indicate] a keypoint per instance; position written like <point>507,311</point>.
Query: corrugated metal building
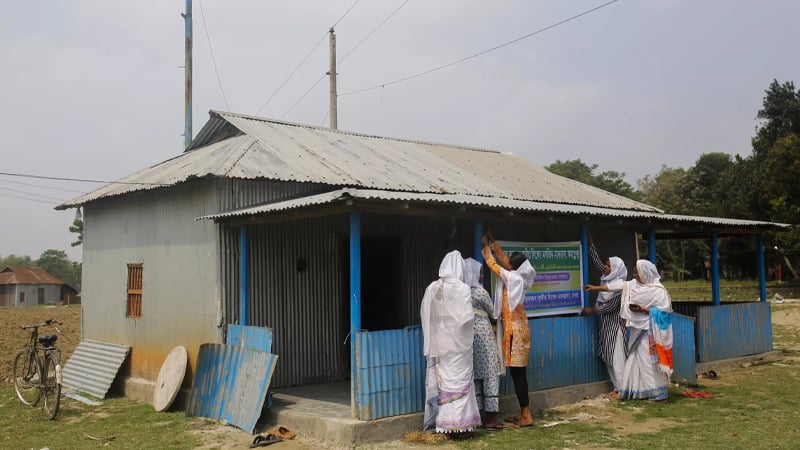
<point>322,235</point>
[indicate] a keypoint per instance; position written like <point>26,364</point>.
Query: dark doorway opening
<point>381,283</point>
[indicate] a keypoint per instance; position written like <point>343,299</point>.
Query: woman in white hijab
<point>646,305</point>
<point>447,316</point>
<point>486,362</point>
<point>612,335</point>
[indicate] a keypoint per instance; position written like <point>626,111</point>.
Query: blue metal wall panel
<point>683,349</point>
<point>231,384</point>
<point>729,331</point>
<point>390,373</point>
<point>256,338</point>
<point>563,353</point>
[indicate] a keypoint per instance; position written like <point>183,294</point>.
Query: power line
<point>304,95</point>
<point>213,59</point>
<point>313,49</point>
<point>41,186</point>
<point>327,113</point>
<point>345,13</point>
<point>480,53</point>
<point>42,177</point>
<point>373,31</point>
<point>32,195</point>
<point>28,199</point>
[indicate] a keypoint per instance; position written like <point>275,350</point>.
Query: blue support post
<point>244,275</point>
<point>715,268</point>
<point>584,231</point>
<point>355,302</point>
<point>355,272</point>
<point>651,245</point>
<point>762,273</point>
<point>478,244</point>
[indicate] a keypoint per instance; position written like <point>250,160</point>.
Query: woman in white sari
<point>646,305</point>
<point>446,314</point>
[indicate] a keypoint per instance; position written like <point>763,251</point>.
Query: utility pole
<point>187,111</point>
<point>332,74</point>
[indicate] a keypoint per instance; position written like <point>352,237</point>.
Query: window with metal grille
<point>134,308</point>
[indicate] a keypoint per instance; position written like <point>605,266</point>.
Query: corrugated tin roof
<point>274,150</point>
<point>488,202</point>
<point>27,275</point>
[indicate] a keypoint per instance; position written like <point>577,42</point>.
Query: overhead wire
<point>367,36</point>
<point>304,95</point>
<point>213,59</point>
<point>79,180</point>
<point>28,199</point>
<point>372,32</point>
<point>32,194</point>
<point>467,58</point>
<point>313,49</point>
<point>41,186</point>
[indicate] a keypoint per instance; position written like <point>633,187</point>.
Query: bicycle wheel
<point>26,377</point>
<point>51,386</point>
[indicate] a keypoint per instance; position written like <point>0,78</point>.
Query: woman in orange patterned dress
<point>515,275</point>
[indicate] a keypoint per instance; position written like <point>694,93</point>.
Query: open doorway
<point>382,290</point>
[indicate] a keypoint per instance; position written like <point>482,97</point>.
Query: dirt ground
<point>12,338</point>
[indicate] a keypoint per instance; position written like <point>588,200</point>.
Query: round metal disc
<point>170,378</point>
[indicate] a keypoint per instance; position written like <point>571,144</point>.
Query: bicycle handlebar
<point>47,322</point>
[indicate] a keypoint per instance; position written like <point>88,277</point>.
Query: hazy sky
<point>92,89</point>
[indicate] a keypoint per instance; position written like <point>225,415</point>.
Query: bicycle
<point>37,370</point>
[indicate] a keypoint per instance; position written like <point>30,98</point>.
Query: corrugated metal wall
<point>390,373</point>
<point>237,193</point>
<point>309,310</point>
<point>684,353</point>
<point>728,331</point>
<point>305,306</point>
<point>234,194</point>
<point>563,353</point>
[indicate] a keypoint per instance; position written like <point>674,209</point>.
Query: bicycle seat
<point>48,340</point>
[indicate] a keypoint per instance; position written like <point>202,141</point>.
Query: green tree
<point>58,264</point>
<point>610,181</point>
<point>665,190</point>
<point>77,227</point>
<point>16,261</point>
<point>704,185</point>
<point>780,115</point>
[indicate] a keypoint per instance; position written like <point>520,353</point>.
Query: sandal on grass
<point>263,441</point>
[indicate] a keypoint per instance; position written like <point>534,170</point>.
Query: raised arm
<point>486,251</point>
<point>501,256</point>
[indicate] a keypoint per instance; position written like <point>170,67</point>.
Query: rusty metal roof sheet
<point>487,202</point>
<point>238,146</point>
<point>27,275</point>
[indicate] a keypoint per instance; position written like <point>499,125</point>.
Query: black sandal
<point>263,441</point>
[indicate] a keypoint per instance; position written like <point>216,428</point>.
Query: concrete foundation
<point>323,411</point>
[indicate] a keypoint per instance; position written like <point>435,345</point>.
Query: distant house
<point>29,286</point>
